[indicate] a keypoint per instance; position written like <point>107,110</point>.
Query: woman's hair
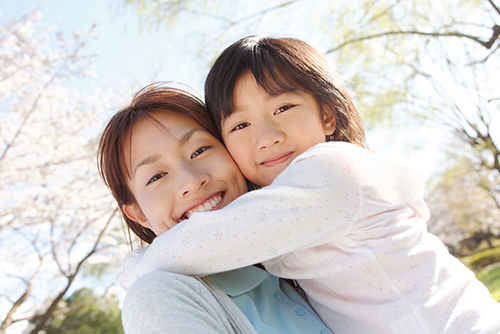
<point>111,158</point>
<point>282,65</point>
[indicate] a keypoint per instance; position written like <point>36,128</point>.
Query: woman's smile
<point>213,203</point>
<point>179,169</point>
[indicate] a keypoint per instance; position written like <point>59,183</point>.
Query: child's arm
<point>312,201</point>
<point>128,273</point>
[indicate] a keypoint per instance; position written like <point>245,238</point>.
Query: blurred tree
<point>84,313</point>
<point>56,216</point>
<point>432,64</point>
<point>461,209</point>
<point>381,46</point>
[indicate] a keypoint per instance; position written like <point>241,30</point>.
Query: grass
<point>486,265</point>
<point>490,276</point>
<point>482,259</point>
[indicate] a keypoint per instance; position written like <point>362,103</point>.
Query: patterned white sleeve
<point>313,201</point>
<point>128,274</point>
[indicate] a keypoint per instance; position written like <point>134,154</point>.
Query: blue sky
<point>128,59</point>
<point>126,56</point>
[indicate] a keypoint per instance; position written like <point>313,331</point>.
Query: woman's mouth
<point>208,205</point>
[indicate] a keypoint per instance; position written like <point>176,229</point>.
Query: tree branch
<point>19,302</point>
<point>494,6</point>
<point>42,319</point>
<point>168,9</point>
<point>488,44</point>
<point>34,105</point>
<point>264,11</point>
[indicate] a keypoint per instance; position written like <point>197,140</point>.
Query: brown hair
<point>282,65</point>
<point>112,164</point>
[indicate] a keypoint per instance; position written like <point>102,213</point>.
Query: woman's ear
<point>330,123</point>
<point>133,212</point>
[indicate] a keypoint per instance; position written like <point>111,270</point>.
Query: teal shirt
<point>270,304</point>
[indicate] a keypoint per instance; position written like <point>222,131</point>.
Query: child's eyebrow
<point>237,110</point>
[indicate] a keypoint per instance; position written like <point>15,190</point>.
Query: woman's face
<point>177,169</point>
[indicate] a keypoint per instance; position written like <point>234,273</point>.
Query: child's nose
<point>269,135</point>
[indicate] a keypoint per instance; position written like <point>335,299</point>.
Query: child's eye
<point>240,126</point>
<point>282,109</point>
<point>200,151</point>
<point>156,178</point>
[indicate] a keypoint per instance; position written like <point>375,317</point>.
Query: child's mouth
<point>276,159</point>
<point>208,205</point>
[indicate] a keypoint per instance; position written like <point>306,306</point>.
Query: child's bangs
<point>276,78</point>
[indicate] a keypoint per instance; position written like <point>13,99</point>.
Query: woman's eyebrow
<point>147,161</point>
<point>185,137</point>
<point>154,158</point>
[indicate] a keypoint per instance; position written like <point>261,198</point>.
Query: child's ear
<point>133,212</point>
<point>330,123</point>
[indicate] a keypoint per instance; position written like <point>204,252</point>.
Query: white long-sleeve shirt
<point>350,226</point>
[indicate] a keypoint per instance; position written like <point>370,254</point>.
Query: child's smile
<point>278,159</point>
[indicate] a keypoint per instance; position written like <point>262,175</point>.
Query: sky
<point>128,56</point>
<point>125,55</point>
<point>129,59</point>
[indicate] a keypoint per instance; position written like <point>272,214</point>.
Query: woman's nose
<point>269,135</point>
<point>191,181</point>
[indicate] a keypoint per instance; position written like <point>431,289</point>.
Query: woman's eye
<point>155,178</point>
<point>240,126</point>
<point>282,109</point>
<point>200,151</point>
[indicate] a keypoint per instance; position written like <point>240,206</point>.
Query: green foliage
<point>491,278</point>
<point>487,267</point>
<point>482,259</point>
<point>82,313</point>
<point>96,270</point>
<point>159,13</point>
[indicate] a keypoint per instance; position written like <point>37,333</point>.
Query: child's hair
<point>112,164</point>
<point>282,65</point>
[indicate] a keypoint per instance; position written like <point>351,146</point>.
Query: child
<point>348,225</point>
<point>162,159</point>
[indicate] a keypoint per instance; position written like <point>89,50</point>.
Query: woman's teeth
<point>207,206</point>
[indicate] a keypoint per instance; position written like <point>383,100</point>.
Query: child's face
<point>265,133</point>
<point>176,171</point>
